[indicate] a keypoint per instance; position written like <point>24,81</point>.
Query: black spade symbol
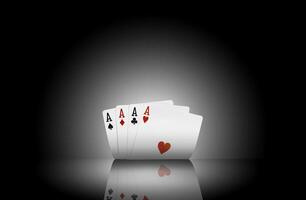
<point>110,126</point>
<point>134,121</point>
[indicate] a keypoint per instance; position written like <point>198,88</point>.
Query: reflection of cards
<point>154,130</point>
<point>153,180</point>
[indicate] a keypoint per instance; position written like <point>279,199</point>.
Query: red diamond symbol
<point>121,195</point>
<point>122,122</point>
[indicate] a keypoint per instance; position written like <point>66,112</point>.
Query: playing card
<point>148,111</point>
<point>111,132</point>
<point>135,114</point>
<point>168,135</point>
<point>146,180</point>
<point>122,127</point>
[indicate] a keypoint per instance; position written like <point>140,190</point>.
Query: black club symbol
<point>134,196</point>
<point>134,121</point>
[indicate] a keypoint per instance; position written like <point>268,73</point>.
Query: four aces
<point>153,130</point>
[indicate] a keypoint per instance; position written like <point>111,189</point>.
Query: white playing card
<point>135,117</point>
<point>184,109</point>
<point>111,132</point>
<point>122,124</point>
<point>148,111</point>
<point>169,135</point>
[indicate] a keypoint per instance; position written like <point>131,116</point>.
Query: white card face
<point>151,110</point>
<point>184,109</point>
<point>111,131</point>
<point>169,135</point>
<point>135,117</point>
<point>148,111</point>
<point>145,180</point>
<point>122,127</point>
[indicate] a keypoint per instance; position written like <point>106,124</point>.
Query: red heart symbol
<point>163,147</point>
<point>145,119</point>
<point>164,171</point>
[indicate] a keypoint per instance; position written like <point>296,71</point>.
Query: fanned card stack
<point>153,130</point>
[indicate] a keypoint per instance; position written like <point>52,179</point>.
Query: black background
<point>39,40</point>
